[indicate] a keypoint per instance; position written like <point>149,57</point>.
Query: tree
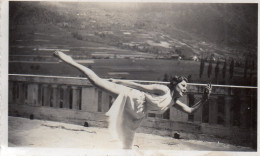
<point>253,66</point>
<point>245,68</point>
<point>231,69</point>
<point>165,78</point>
<point>210,68</point>
<point>189,78</point>
<point>217,69</point>
<point>224,69</point>
<point>201,66</point>
<point>252,69</point>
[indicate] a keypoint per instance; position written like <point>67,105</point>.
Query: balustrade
<point>227,106</point>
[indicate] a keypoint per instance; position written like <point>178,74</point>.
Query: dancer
<point>134,101</point>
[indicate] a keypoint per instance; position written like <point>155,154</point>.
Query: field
<point>31,53</point>
<point>134,69</point>
<point>127,54</point>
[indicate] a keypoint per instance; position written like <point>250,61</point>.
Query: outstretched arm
<point>183,107</point>
<point>152,88</point>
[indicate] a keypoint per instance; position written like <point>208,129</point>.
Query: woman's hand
<point>207,92</point>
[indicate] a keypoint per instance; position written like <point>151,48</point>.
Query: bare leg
<point>93,78</point>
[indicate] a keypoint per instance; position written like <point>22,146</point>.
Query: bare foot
<point>62,56</point>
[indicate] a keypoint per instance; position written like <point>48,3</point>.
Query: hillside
<point>225,30</point>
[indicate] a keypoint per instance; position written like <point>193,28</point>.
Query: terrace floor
<point>38,133</point>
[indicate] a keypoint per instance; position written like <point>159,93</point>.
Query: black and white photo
<point>133,75</point>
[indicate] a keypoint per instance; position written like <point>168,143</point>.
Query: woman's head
<point>178,86</point>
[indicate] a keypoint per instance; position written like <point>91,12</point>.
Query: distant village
<point>152,45</point>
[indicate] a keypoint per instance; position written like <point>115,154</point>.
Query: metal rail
<point>141,81</point>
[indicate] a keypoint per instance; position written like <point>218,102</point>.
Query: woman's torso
<point>142,102</point>
<point>158,103</point>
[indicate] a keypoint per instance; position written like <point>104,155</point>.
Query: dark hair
<point>175,80</point>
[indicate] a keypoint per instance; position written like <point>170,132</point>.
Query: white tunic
<point>158,103</point>
<point>130,108</point>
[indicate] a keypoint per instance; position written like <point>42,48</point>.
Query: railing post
<point>75,97</point>
<point>243,112</point>
<point>58,97</point>
<point>228,114</point>
<point>54,96</point>
<point>65,99</point>
<point>213,111</point>
<point>105,101</point>
<point>198,113</point>
<point>21,93</point>
<point>10,93</point>
<point>15,92</point>
<point>89,99</point>
<point>32,94</point>
<point>46,95</point>
<point>40,94</point>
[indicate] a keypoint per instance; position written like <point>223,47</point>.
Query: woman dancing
<point>134,101</point>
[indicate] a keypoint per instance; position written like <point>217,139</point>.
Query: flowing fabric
<point>125,116</point>
<point>129,110</point>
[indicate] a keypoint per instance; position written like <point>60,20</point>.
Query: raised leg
<point>98,82</point>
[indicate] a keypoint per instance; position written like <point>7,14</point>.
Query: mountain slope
<point>226,25</point>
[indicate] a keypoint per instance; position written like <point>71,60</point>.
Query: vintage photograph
<point>133,75</point>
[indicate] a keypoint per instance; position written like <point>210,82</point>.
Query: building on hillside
<point>195,58</point>
<point>175,56</point>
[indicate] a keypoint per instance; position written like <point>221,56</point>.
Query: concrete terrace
<point>38,133</point>
<point>53,101</point>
